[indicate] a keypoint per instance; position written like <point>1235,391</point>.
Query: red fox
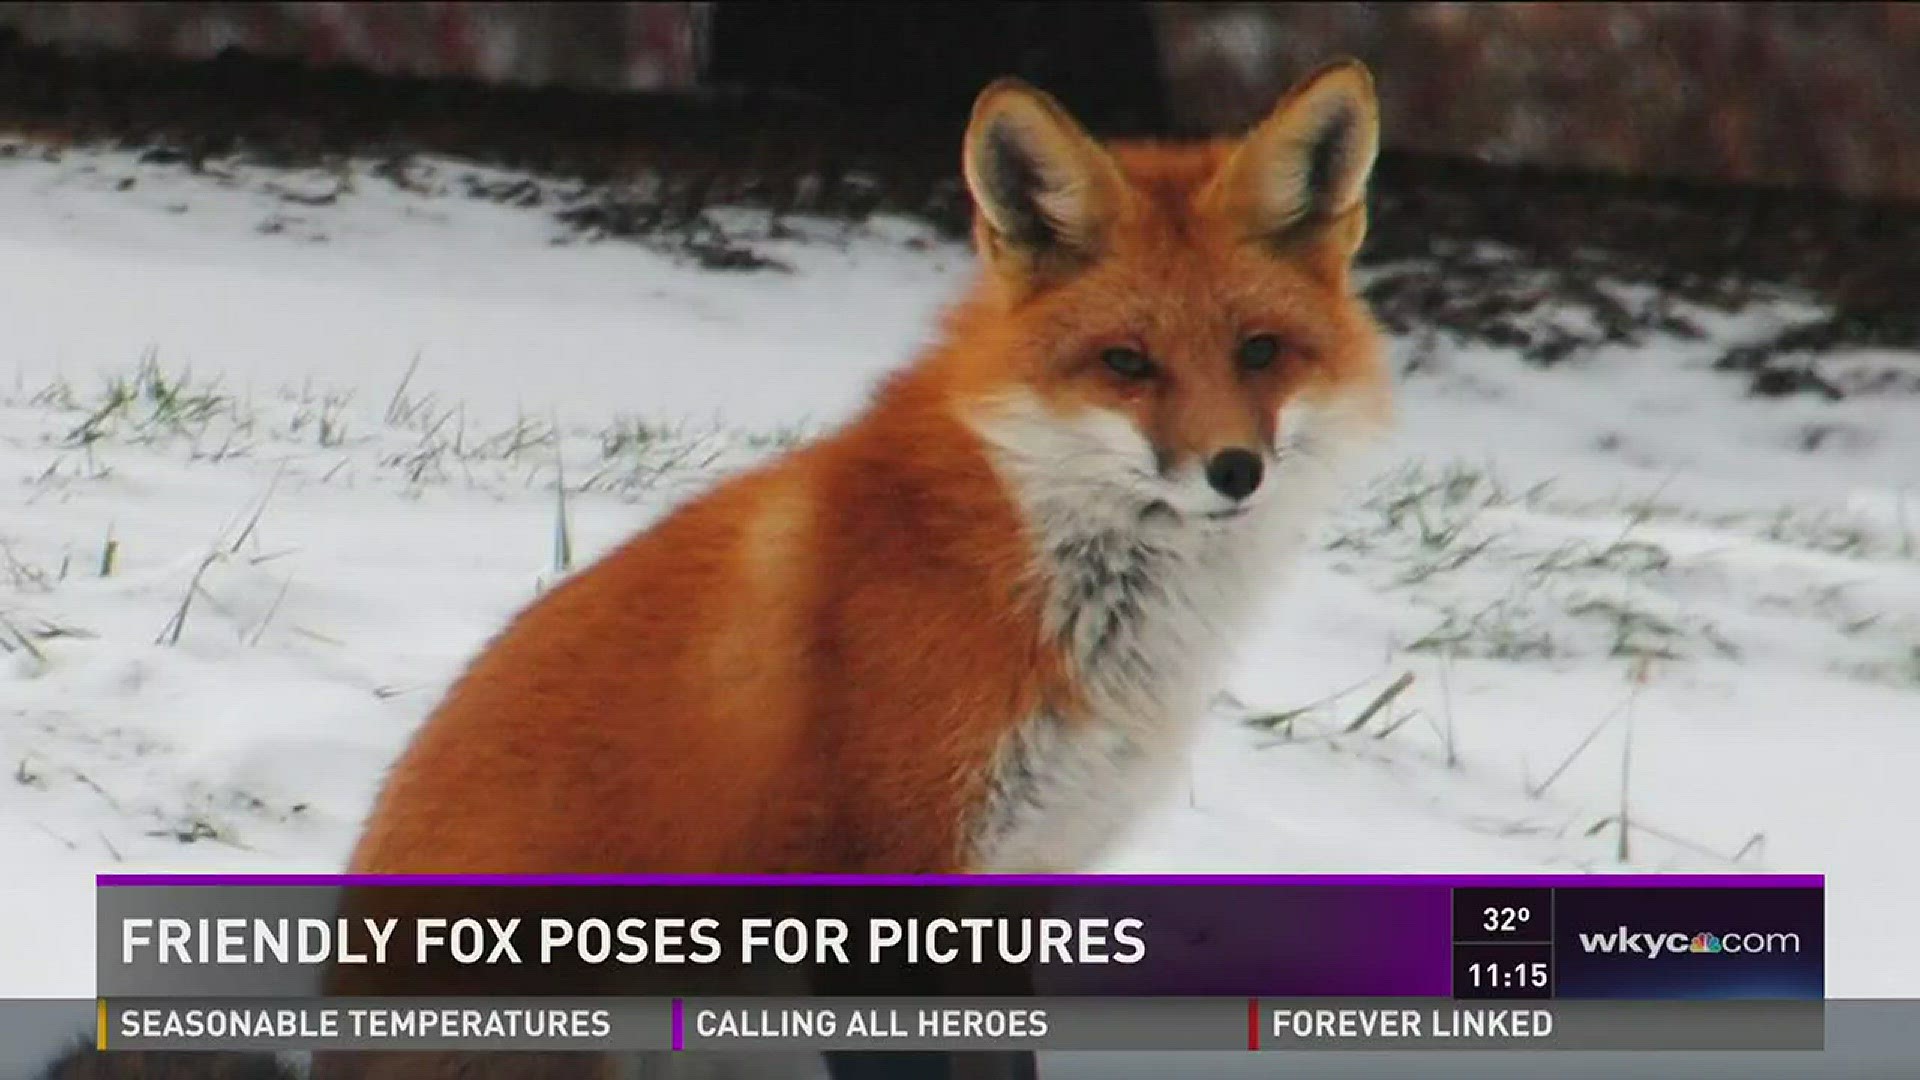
<point>973,629</point>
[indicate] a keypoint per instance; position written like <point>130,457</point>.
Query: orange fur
<point>792,673</point>
<point>812,667</point>
<point>824,665</point>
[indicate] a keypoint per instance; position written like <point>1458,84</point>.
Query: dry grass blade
<point>170,633</point>
<point>109,554</point>
<point>1284,718</point>
<point>20,636</point>
<point>1380,701</point>
<point>1539,789</point>
<point>396,405</point>
<point>254,521</point>
<point>562,532</point>
<point>272,610</point>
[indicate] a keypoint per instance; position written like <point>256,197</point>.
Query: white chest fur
<point>1147,606</point>
<point>1146,617</point>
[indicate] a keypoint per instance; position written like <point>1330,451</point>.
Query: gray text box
<point>966,1023</point>
<point>604,1023</point>
<point>1436,1024</point>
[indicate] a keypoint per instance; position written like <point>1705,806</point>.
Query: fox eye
<point>1258,352</point>
<point>1128,363</point>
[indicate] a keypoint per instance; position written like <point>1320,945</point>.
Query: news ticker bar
<point>1568,937</point>
<point>954,1024</point>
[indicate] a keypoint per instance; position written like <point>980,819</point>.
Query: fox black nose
<point>1234,473</point>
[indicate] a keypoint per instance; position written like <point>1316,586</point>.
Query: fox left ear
<point>1301,175</point>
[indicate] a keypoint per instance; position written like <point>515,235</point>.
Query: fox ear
<point>1046,192</point>
<point>1302,173</point>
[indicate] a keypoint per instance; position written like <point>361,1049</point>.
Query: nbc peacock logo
<point>1705,943</point>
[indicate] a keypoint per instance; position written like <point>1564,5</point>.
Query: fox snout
<point>1211,438</point>
<point>1219,485</point>
<point>1235,472</point>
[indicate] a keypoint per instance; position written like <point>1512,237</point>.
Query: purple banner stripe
<point>1466,881</point>
<point>679,1024</point>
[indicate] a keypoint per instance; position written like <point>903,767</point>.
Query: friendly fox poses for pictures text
<point>974,629</point>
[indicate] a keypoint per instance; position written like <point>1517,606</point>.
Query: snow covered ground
<point>314,423</point>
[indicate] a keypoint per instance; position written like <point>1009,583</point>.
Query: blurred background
<point>1708,144</point>
<point>1806,95</point>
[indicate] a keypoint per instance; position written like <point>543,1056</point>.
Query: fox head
<point>1171,328</point>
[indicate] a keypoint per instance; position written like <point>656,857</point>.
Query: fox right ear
<point>1045,190</point>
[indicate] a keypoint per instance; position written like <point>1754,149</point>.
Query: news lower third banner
<point>969,963</point>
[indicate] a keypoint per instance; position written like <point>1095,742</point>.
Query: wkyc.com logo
<point>1625,942</point>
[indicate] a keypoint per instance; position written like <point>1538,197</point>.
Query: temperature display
<point>1503,915</point>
